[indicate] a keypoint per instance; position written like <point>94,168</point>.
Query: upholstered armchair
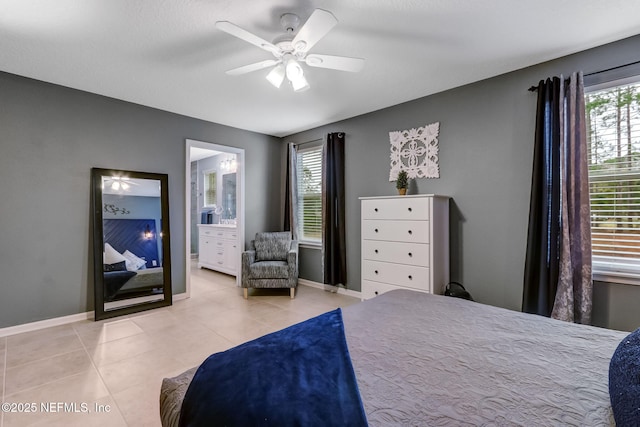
<point>271,261</point>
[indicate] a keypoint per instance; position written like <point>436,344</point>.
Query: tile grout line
<point>93,364</point>
<point>35,360</point>
<point>4,395</point>
<point>274,307</point>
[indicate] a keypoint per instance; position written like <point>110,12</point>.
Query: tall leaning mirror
<point>131,250</point>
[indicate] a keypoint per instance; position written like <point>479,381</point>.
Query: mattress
<point>424,359</point>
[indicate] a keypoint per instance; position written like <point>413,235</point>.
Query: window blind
<point>613,122</point>
<point>309,175</point>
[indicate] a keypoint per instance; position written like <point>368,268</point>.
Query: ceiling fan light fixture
<point>300,84</point>
<point>294,70</point>
<point>276,76</point>
<point>291,48</point>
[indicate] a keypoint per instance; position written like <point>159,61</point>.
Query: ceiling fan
<point>118,183</point>
<point>292,48</point>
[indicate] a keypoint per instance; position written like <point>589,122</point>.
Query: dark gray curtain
<point>291,192</point>
<point>541,263</point>
<point>334,252</point>
<point>555,221</point>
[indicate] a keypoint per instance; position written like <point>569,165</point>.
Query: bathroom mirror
<point>131,250</point>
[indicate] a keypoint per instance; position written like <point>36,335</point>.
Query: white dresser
<point>405,243</point>
<point>218,248</point>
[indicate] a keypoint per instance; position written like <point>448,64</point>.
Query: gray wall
<point>50,138</point>
<point>486,148</point>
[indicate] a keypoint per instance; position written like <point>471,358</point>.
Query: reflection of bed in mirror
<point>132,266</point>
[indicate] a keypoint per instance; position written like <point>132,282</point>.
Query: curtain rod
<point>305,143</point>
<point>535,88</point>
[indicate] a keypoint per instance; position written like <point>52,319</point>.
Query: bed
<point>135,242</point>
<point>430,360</point>
<point>128,284</point>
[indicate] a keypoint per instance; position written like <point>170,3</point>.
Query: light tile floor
<point>109,373</point>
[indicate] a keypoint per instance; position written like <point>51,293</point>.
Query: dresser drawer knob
<point>375,250</point>
<point>375,271</point>
<point>410,254</point>
<point>376,230</point>
<point>410,210</point>
<point>410,277</point>
<point>376,292</point>
<point>376,209</point>
<point>410,232</point>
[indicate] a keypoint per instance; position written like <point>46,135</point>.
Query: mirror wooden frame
<point>98,242</point>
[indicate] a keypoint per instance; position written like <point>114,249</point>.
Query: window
<point>309,175</point>
<point>210,188</point>
<point>613,137</point>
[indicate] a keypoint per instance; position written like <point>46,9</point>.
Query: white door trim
<point>239,152</point>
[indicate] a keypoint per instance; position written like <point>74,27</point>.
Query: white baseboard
<point>57,321</point>
<point>178,297</point>
<point>337,289</point>
<point>47,323</point>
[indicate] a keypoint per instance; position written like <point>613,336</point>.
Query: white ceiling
<point>196,153</point>
<point>168,54</point>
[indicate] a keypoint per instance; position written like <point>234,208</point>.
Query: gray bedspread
<point>145,279</point>
<point>429,360</point>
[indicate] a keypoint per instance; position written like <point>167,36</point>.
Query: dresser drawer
<point>398,252</point>
<point>396,231</point>
<point>212,232</point>
<point>409,276</point>
<point>400,208</point>
<point>373,289</point>
<point>205,232</point>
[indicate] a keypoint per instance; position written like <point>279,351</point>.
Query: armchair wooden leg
<point>246,293</point>
<point>293,293</point>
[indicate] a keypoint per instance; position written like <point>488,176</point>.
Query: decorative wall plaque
<point>416,151</point>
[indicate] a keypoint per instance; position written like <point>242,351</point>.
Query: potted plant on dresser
<point>402,182</point>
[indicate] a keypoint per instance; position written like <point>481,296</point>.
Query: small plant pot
<point>402,191</point>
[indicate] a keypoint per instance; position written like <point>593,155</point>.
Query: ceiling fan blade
<point>245,35</point>
<point>317,26</point>
<point>341,63</point>
<point>252,67</point>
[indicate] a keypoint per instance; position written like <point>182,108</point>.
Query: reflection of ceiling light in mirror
<point>119,183</point>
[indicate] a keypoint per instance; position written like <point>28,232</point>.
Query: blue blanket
<point>299,376</point>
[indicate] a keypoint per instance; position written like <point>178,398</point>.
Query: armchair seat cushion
<point>269,270</point>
